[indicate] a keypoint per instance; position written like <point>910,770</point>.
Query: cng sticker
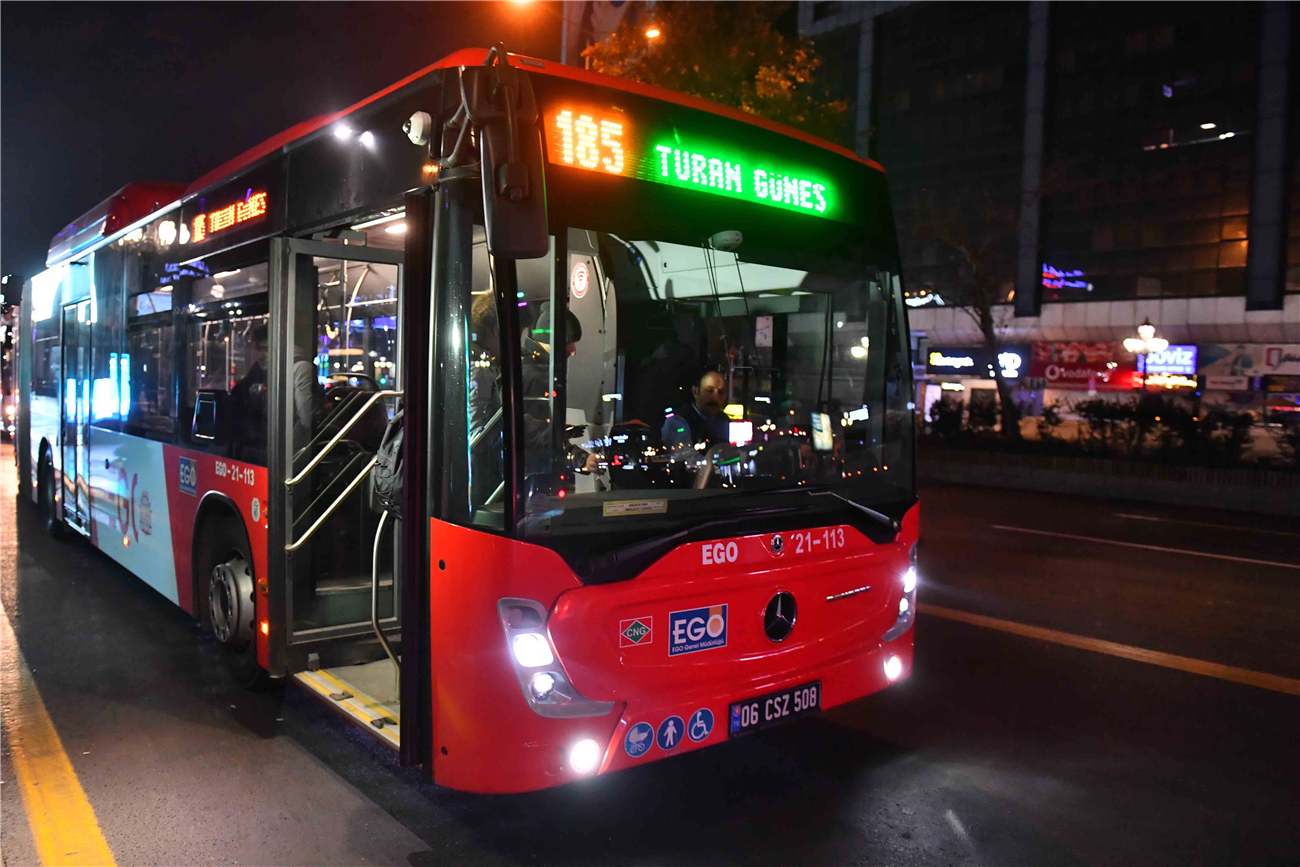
<point>637,631</point>
<point>697,629</point>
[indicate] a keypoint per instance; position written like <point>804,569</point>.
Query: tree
<point>976,230</point>
<point>730,53</point>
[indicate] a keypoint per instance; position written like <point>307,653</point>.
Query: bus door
<point>339,345</point>
<point>75,414</point>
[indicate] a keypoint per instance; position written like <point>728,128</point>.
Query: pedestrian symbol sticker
<point>701,725</point>
<point>638,740</point>
<point>670,733</point>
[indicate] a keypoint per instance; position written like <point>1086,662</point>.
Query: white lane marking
<point>1263,680</point>
<point>1236,527</point>
<point>1160,548</point>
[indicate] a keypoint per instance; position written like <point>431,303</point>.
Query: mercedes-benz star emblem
<point>778,619</point>
<point>778,545</point>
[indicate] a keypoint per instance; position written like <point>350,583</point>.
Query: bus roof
<point>474,57</point>
<point>139,199</point>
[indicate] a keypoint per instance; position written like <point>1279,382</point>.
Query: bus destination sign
<point>606,141</point>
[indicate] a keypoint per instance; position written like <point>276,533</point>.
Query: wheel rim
<point>230,601</point>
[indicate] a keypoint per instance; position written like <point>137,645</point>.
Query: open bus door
<point>337,365</point>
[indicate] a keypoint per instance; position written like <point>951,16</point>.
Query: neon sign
<point>231,215</point>
<point>1178,359</point>
<point>606,142</point>
<point>938,359</point>
<point>1055,278</point>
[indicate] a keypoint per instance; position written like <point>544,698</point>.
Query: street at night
<point>650,432</point>
<point>999,749</point>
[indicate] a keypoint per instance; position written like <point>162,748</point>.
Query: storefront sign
<point>977,362</point>
<point>1227,383</point>
<point>1177,359</point>
<point>1088,366</point>
<point>1250,359</point>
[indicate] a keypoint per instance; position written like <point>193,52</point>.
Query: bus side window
<point>228,341</point>
<point>148,366</point>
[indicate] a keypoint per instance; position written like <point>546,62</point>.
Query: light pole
<point>1144,344</point>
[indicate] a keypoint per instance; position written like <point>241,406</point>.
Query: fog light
<point>532,650</point>
<point>903,606</point>
<point>909,580</point>
<point>543,683</point>
<point>584,756</point>
<point>893,667</point>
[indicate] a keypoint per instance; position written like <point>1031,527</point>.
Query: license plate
<point>775,708</point>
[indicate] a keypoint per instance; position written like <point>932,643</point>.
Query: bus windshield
<point>690,382</point>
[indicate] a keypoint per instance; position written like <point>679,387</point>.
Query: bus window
<point>694,381</point>
<point>150,379</point>
<point>228,357</point>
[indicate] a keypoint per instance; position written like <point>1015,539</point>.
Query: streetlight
<point>652,32</point>
<point>1144,344</point>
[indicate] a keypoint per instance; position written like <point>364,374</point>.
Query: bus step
<point>362,694</point>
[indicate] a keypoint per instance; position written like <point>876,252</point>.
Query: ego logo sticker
<point>637,631</point>
<point>697,629</point>
<point>189,476</point>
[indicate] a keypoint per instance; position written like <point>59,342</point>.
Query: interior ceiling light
<point>396,229</point>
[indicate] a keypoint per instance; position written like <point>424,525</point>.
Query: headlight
<point>532,650</point>
<point>585,755</point>
<point>549,693</point>
<point>907,604</point>
<point>543,685</point>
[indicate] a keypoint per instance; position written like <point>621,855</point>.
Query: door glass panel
<point>76,408</point>
<point>345,349</point>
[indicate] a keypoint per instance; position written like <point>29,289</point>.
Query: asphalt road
<point>1001,749</point>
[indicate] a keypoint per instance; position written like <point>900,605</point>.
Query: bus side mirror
<point>499,101</point>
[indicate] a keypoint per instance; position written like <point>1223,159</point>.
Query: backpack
<point>386,476</point>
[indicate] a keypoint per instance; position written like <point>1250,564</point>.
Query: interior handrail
<point>289,483</point>
<point>352,486</point>
<point>487,428</point>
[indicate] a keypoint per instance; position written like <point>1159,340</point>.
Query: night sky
<point>95,96</point>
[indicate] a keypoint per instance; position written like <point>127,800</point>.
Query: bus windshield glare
<point>697,382</point>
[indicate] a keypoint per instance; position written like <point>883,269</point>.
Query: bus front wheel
<point>231,600</point>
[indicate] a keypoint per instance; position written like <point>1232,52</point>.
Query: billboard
<point>1250,359</point>
<point>976,361</point>
<point>1085,366</point>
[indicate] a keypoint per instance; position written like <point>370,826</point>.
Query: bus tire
<point>46,501</point>
<point>229,601</point>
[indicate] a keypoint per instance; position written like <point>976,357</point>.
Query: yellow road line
<point>1274,682</point>
<point>63,823</point>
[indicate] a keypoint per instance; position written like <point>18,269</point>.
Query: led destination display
<point>609,142</point>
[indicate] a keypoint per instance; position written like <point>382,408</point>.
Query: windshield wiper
<point>823,491</point>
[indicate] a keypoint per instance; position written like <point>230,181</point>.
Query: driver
<point>701,420</point>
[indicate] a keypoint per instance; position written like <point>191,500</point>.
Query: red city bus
<point>649,363</point>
